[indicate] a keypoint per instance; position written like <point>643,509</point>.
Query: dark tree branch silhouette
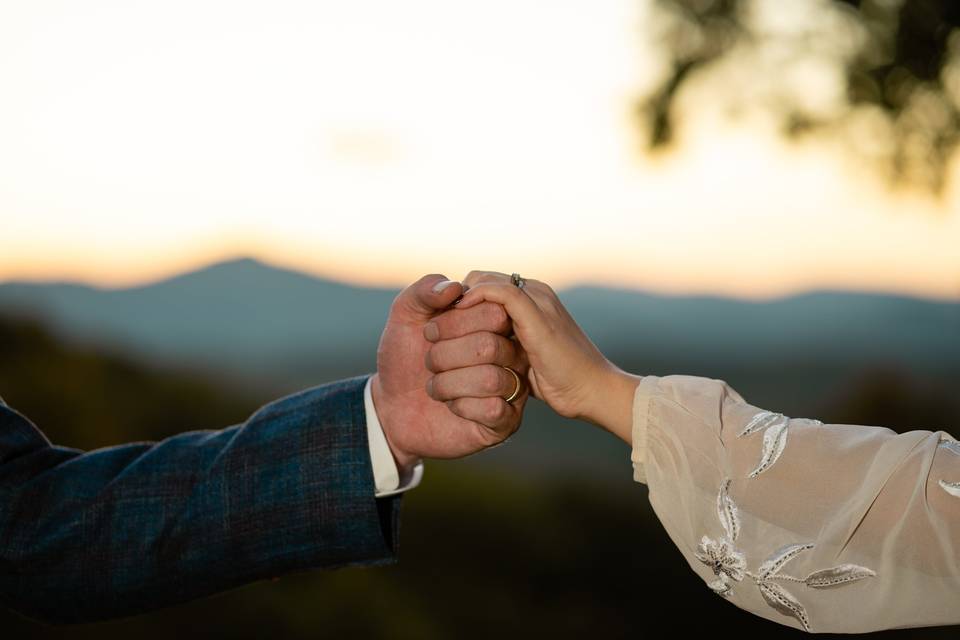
<point>896,65</point>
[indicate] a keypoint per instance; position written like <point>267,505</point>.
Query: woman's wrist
<point>611,403</point>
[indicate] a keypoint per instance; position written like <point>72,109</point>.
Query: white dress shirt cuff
<point>386,477</point>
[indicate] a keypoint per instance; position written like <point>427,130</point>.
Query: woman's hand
<point>567,371</point>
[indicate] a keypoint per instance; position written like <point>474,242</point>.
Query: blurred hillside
<point>286,327</point>
<point>272,331</point>
<point>546,536</point>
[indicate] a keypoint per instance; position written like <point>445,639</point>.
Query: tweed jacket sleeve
<point>87,536</point>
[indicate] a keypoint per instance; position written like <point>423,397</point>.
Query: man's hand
<point>414,406</point>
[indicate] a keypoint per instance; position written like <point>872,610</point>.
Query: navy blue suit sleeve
<point>88,536</point>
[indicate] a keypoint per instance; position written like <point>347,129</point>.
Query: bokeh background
<point>206,205</point>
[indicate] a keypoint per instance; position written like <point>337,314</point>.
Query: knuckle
<point>487,348</point>
<point>456,406</point>
<point>445,322</point>
<point>495,410</point>
<point>496,316</point>
<point>473,277</point>
<point>543,288</point>
<point>491,380</point>
<point>539,284</point>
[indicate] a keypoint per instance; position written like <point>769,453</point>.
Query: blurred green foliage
<point>86,398</point>
<point>483,554</point>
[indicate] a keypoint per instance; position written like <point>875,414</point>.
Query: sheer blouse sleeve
<point>821,527</point>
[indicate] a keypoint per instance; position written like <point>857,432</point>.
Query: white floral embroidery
<point>729,564</point>
<point>774,426</point>
<point>950,444</point>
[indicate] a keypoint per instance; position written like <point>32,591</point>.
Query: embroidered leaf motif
<point>837,575</point>
<point>774,426</point>
<point>782,556</point>
<point>950,444</point>
<point>727,512</point>
<point>774,441</point>
<point>760,421</point>
<point>781,600</point>
<point>721,586</point>
<point>953,488</point>
<point>729,563</point>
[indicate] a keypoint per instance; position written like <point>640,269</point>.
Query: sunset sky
<point>375,141</point>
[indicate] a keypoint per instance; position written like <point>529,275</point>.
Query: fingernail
<point>431,332</point>
<point>430,387</point>
<point>440,286</point>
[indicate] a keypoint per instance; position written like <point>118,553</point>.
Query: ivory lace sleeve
<point>821,527</point>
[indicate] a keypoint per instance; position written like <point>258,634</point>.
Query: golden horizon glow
<point>372,142</point>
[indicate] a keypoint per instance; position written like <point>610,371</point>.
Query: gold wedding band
<point>519,385</point>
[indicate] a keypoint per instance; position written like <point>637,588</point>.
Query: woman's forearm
<point>611,404</point>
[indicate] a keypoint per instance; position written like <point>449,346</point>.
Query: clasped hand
<point>442,378</point>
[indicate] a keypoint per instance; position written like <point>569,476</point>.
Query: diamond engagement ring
<point>517,281</point>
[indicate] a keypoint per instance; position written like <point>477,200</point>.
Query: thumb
<point>424,298</point>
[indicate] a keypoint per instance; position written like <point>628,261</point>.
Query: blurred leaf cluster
<point>881,75</point>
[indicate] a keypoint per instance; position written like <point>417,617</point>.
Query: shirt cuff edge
<point>641,420</point>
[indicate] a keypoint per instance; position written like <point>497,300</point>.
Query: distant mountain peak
<point>240,271</point>
<point>241,261</point>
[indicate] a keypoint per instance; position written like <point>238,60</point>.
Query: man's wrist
<point>406,462</point>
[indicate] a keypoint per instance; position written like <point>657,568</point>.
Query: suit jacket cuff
<point>340,509</point>
<point>293,490</point>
